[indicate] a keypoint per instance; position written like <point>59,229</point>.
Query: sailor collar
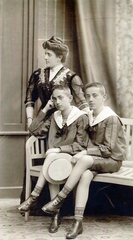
<point>74,114</point>
<point>105,113</point>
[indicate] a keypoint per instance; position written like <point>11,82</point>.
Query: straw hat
<point>57,167</point>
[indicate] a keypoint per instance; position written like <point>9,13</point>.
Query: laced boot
<point>54,205</point>
<point>55,222</point>
<point>28,204</point>
<point>77,228</point>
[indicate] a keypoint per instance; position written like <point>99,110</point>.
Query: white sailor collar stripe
<point>74,114</point>
<point>105,113</point>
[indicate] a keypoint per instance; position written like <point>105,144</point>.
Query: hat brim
<point>57,167</point>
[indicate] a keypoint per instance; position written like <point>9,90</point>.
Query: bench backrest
<point>35,150</point>
<point>128,126</point>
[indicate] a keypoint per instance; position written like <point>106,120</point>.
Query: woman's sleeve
<point>78,93</point>
<point>31,91</point>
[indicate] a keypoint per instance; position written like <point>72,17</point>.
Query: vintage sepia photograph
<point>66,119</point>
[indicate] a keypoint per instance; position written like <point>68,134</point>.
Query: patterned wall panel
<point>124,57</point>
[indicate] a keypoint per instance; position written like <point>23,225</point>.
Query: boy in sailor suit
<point>66,134</point>
<point>104,154</point>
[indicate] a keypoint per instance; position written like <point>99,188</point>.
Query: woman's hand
<point>53,150</point>
<point>77,156</point>
<point>29,121</point>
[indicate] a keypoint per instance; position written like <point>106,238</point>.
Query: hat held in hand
<point>57,167</point>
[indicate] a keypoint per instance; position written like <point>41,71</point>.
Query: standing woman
<point>42,81</point>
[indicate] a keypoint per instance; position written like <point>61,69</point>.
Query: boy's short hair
<point>98,85</point>
<point>57,45</point>
<point>66,89</point>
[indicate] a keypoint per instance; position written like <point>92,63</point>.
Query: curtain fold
<point>95,20</point>
<point>105,38</point>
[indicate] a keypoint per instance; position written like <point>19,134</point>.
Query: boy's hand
<point>77,156</point>
<point>53,150</point>
<point>48,106</point>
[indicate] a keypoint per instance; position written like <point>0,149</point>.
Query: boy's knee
<point>85,158</point>
<point>87,175</point>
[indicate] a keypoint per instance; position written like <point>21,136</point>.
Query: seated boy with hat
<point>66,137</point>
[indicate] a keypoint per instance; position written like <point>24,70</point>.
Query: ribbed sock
<point>36,192</point>
<point>79,211</point>
<point>64,192</point>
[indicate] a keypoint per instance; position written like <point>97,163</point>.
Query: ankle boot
<point>77,228</point>
<point>55,222</point>
<point>28,204</point>
<point>53,206</point>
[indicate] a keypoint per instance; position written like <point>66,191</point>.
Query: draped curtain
<point>100,25</point>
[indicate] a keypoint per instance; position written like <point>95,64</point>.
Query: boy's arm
<point>81,138</point>
<point>38,127</point>
<point>110,138</point>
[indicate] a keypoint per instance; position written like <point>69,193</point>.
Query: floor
<point>13,226</point>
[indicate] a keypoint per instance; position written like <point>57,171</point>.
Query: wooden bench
<point>36,148</point>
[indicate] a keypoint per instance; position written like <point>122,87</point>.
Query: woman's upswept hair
<point>57,46</point>
<point>98,85</point>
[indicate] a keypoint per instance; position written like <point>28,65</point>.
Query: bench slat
<point>124,176</point>
<point>124,172</point>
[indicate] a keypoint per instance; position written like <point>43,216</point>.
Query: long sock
<point>36,192</point>
<point>79,213</point>
<point>64,192</point>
